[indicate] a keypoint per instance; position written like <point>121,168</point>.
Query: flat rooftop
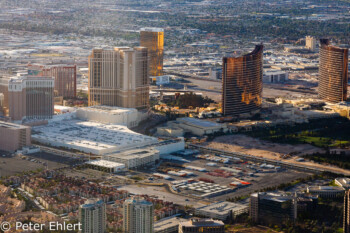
<point>223,207</point>
<point>132,154</point>
<point>109,109</point>
<point>199,123</point>
<point>325,188</point>
<point>345,182</point>
<point>152,29</point>
<point>105,163</point>
<point>166,223</point>
<point>202,223</point>
<point>90,136</point>
<point>9,125</point>
<point>277,197</point>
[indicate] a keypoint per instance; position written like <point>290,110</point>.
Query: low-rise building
<point>273,208</point>
<point>201,127</point>
<point>170,131</point>
<point>275,76</point>
<point>14,137</point>
<point>105,165</point>
<point>90,137</point>
<point>343,182</point>
<point>326,191</point>
<point>222,210</point>
<point>168,225</point>
<point>135,158</point>
<point>111,115</point>
<point>202,225</point>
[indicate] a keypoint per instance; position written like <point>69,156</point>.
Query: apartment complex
<point>153,40</point>
<point>17,136</point>
<point>138,216</point>
<point>333,73</point>
<point>92,216</point>
<point>310,43</point>
<point>119,77</point>
<point>273,208</point>
<point>31,97</point>
<point>65,77</point>
<point>242,83</point>
<point>202,225</point>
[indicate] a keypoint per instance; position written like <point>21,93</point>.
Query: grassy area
<point>137,178</point>
<point>340,160</point>
<point>317,141</point>
<point>322,133</point>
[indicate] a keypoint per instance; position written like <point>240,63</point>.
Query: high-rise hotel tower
<point>119,77</point>
<point>153,40</point>
<point>333,73</point>
<point>31,98</point>
<point>242,83</point>
<point>65,77</point>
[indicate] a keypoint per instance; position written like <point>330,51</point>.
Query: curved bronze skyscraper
<point>333,73</point>
<point>242,82</point>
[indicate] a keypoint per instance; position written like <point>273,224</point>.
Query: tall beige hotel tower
<point>153,39</point>
<point>119,77</point>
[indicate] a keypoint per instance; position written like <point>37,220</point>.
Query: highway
<point>263,160</point>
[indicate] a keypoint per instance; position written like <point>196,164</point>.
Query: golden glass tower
<point>242,83</point>
<point>153,39</point>
<point>333,73</point>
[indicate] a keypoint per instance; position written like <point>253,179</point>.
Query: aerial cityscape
<point>175,116</point>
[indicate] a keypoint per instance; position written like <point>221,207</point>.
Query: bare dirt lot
<point>12,165</point>
<point>256,147</point>
<point>212,89</point>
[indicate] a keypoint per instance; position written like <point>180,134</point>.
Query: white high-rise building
<point>92,216</point>
<point>138,216</point>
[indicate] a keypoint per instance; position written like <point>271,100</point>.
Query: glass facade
<point>153,40</point>
<point>242,83</point>
<point>333,73</point>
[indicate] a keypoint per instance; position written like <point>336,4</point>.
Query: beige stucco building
<point>13,137</point>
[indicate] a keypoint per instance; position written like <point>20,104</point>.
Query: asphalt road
<point>163,194</point>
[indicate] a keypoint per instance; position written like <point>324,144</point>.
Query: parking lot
<point>242,177</point>
<point>13,164</point>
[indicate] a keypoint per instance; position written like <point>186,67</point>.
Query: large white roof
<point>106,163</point>
<point>87,136</point>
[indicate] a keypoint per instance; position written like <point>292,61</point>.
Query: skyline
<point>174,116</point>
